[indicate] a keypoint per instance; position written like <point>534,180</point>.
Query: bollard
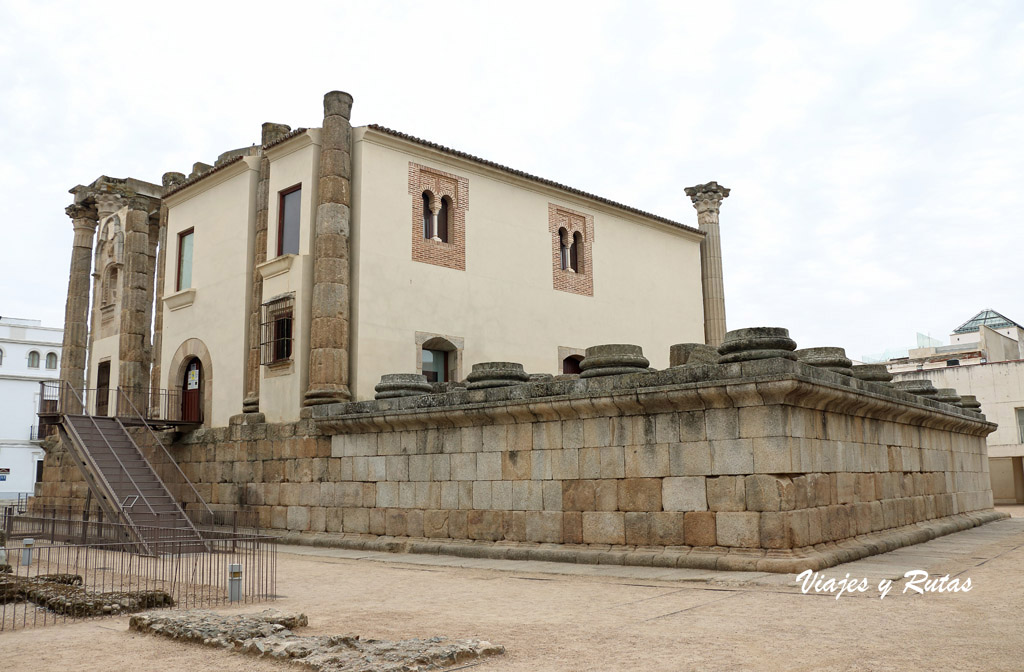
<point>26,552</point>
<point>234,583</point>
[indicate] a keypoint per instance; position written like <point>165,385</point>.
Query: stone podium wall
<point>758,464</point>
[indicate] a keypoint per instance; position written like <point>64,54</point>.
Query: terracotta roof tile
<point>532,178</point>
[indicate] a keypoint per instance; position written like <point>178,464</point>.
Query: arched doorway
<point>192,392</point>
<point>571,364</point>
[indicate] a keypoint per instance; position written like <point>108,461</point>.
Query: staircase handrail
<point>170,458</point>
<point>97,471</point>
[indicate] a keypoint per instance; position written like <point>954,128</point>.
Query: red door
<point>191,393</point>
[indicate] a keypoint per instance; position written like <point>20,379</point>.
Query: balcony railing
<point>58,398</point>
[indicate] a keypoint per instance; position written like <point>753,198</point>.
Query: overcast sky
<point>875,151</point>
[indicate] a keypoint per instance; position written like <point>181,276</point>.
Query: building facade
<point>300,270</point>
<point>983,359</point>
<point>29,354</point>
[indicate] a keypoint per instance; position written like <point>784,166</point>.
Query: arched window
<point>439,360</point>
<point>576,252</point>
<point>51,360</point>
<point>33,360</point>
<point>563,246</point>
<point>571,364</point>
<point>428,217</point>
<point>442,219</point>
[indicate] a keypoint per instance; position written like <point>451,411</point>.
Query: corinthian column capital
<point>707,197</point>
<point>77,211</point>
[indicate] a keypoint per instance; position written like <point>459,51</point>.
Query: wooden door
<point>192,393</point>
<point>103,388</point>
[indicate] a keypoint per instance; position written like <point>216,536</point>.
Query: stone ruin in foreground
<point>754,456</point>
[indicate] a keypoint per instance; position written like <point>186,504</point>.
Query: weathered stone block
<point>357,520</point>
<point>775,530</point>
<point>578,495</point>
<point>667,528</point>
<point>666,428</point>
<point>428,495</point>
<point>765,492</point>
<point>516,465</point>
<point>604,527</point>
<point>738,528</point>
<point>613,463</point>
<point>689,459</point>
<point>722,423</point>
<point>501,495</point>
<point>732,456</point>
<point>552,495</point>
<point>700,528</point>
<point>520,437</point>
<point>774,454</point>
<point>298,518</point>
<point>435,524</point>
<point>387,495</point>
<point>463,467</point>
<point>590,463</point>
<point>638,528</point>
<point>692,426</point>
<point>482,495</point>
<point>726,493</point>
<point>597,432</point>
<point>547,435</point>
<point>543,526</point>
<point>487,525</point>
<point>565,464</point>
<point>640,494</point>
<point>458,524</point>
<point>540,465</point>
<point>572,527</point>
<point>489,466</point>
<point>449,494</point>
<point>686,493</point>
<point>495,438</point>
<point>647,461</point>
<point>527,496</point>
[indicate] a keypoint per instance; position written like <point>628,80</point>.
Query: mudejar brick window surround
<point>448,250</point>
<point>574,226</point>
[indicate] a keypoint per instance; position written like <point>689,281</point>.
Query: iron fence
<point>62,569</point>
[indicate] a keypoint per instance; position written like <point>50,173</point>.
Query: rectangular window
<point>1020,424</point>
<point>288,221</point>
<point>276,330</point>
<point>435,366</point>
<point>185,259</point>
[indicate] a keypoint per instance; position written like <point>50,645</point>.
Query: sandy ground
<point>604,618</point>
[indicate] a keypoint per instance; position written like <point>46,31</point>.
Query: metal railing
<point>77,569</point>
<point>151,404</point>
<point>170,472</point>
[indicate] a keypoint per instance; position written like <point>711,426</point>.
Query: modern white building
<point>29,354</point>
<point>984,360</point>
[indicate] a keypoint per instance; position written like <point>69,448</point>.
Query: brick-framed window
<point>440,201</point>
<point>572,239</point>
<point>289,209</point>
<point>276,330</point>
<point>185,245</point>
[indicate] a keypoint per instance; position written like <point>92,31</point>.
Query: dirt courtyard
<point>578,617</point>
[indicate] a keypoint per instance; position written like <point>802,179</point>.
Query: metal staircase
<point>120,478</point>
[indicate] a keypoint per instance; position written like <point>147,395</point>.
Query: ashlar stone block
<point>604,527</point>
<point>640,494</point>
<point>689,459</point>
<point>685,493</point>
<point>741,529</point>
<point>726,493</point>
<point>647,461</point>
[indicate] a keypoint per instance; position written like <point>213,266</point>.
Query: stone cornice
<point>763,382</point>
<point>182,299</point>
<point>293,142</point>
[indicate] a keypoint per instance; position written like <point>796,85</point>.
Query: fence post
<point>53,524</point>
<point>8,520</point>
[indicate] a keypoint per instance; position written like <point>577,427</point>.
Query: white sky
<point>875,150</point>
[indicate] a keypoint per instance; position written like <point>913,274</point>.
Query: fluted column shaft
<point>251,402</point>
<point>133,374</point>
<point>707,200</point>
<point>76,310</point>
<point>329,328</point>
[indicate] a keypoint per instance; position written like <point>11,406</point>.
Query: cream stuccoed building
<point>298,271</point>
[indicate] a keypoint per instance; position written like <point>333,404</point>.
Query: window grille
<point>276,330</point>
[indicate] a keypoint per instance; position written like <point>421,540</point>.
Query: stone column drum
<point>170,180</point>
<point>76,310</point>
<point>133,372</point>
<point>707,199</point>
<point>271,133</point>
<point>329,330</point>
